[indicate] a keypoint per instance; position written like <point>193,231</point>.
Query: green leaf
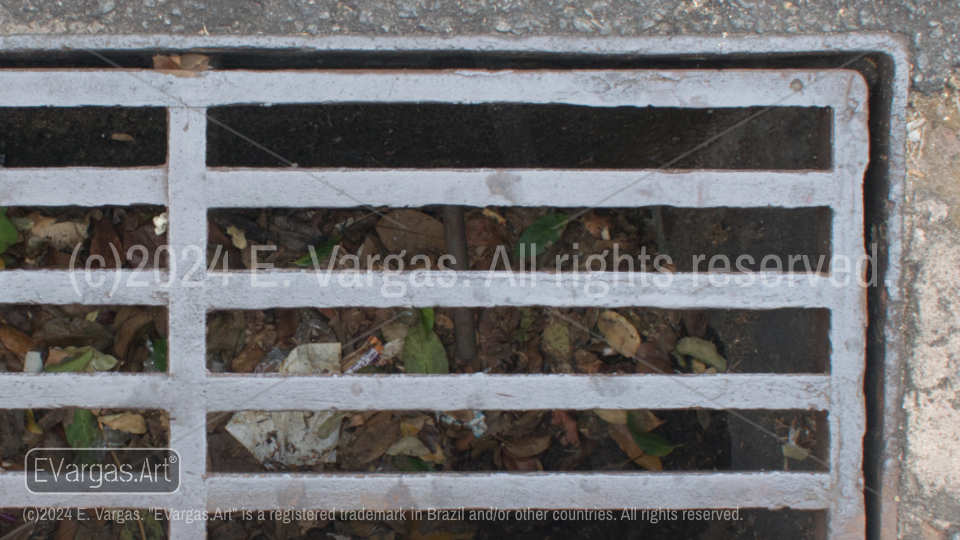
<point>323,251</point>
<point>411,464</point>
<point>160,354</point>
<point>423,352</point>
<point>654,445</point>
<point>152,527</point>
<point>83,433</point>
<point>541,234</point>
<point>703,351</point>
<point>427,318</point>
<point>74,365</point>
<point>8,232</point>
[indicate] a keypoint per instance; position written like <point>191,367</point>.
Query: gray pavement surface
<point>930,487</point>
<point>931,26</point>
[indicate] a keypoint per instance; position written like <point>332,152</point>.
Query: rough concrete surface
<point>930,490</point>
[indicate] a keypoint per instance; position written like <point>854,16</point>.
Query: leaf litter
<point>79,338</point>
<point>47,237</point>
<point>495,237</point>
<point>510,340</point>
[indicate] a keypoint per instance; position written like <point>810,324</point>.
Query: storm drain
<point>188,186</point>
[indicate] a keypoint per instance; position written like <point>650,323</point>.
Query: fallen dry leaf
<point>376,436</point>
<point>60,235</point>
<point>129,331</point>
<point>480,232</point>
<point>646,420</point>
<point>256,349</point>
<point>619,332</point>
<point>55,356</point>
<point>126,421</point>
<point>187,65</point>
<point>237,237</point>
<point>422,233</point>
<point>15,340</point>
<point>588,362</point>
<point>408,446</point>
<point>621,435</point>
<point>125,137</point>
<point>570,434</point>
<point>494,216</point>
<point>612,416</point>
<point>528,447</point>
<point>598,226</point>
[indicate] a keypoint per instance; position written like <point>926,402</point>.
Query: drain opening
<point>622,239</point>
<point>517,441</point>
<point>55,339</point>
<point>522,340</point>
<point>83,136</point>
<point>433,135</point>
<point>65,237</point>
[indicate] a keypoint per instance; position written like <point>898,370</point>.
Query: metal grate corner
<point>188,188</point>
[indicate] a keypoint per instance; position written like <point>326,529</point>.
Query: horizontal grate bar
<point>607,88</point>
<point>521,187</point>
<point>519,392</point>
<point>83,186</point>
<point>686,291</point>
<point>94,390</point>
<point>59,287</point>
<point>566,490</point>
<point>440,393</point>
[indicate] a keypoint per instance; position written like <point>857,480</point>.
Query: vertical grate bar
<point>187,368</point>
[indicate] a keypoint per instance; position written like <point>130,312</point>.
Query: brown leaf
<point>130,331</point>
<point>412,231</point>
<point>617,330</point>
<point>612,416</point>
<point>15,340</point>
<point>66,529</point>
<point>376,436</point>
<point>528,447</point>
<point>104,234</point>
<point>527,464</point>
<point>126,421</point>
<point>588,362</point>
<point>621,435</point>
<point>480,232</point>
<point>56,356</point>
<point>651,359</point>
<point>646,420</point>
<point>187,65</point>
<point>596,225</point>
<point>140,238</point>
<point>256,349</point>
<point>569,426</point>
<point>287,323</point>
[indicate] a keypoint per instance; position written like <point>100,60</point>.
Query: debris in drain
<point>77,338</point>
<point>22,430</point>
<point>287,438</point>
<point>84,523</point>
<point>421,441</point>
<point>512,340</point>
<point>84,238</point>
<point>359,239</point>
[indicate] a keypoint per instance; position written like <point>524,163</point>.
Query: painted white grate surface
<point>188,188</point>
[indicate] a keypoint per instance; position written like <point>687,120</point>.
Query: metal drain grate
<point>188,188</point>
